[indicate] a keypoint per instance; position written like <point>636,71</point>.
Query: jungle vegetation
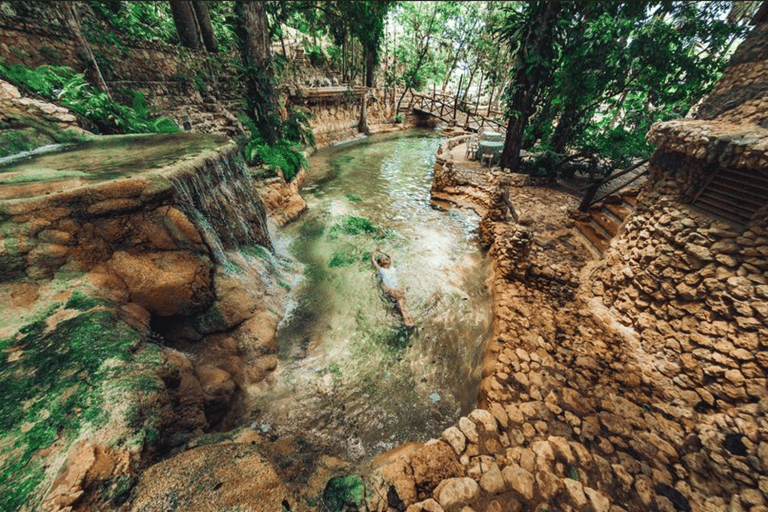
<point>578,84</point>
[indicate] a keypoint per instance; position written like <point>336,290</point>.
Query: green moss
<point>351,225</point>
<point>258,251</point>
<point>343,493</point>
<point>53,389</point>
<point>344,256</point>
<point>81,302</point>
<point>354,198</point>
<point>13,267</point>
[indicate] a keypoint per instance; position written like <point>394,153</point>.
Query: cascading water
<point>352,378</point>
<point>224,206</point>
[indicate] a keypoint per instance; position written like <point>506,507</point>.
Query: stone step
<point>618,211</point>
<point>608,224</point>
<point>593,235</point>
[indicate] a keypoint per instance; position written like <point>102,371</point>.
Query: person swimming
<point>389,282</point>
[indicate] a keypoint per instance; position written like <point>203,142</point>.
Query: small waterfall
<point>220,199</point>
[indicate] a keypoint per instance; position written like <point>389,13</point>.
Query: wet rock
<point>167,283</point>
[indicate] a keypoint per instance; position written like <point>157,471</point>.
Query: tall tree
<point>421,19</point>
<point>534,55</point>
<point>186,23</point>
<point>256,54</point>
<point>204,22</point>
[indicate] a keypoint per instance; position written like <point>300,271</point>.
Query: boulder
<point>165,283</point>
<point>221,476</point>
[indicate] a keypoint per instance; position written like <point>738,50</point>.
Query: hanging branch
<point>74,21</point>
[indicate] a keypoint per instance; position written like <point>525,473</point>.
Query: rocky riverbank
<point>572,412</point>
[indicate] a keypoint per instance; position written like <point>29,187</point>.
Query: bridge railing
<point>448,108</point>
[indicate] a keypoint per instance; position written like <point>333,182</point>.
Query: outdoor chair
<point>488,154</point>
<point>472,147</point>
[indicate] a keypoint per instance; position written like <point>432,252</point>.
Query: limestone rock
<point>226,475</point>
<point>455,491</point>
<point>165,283</point>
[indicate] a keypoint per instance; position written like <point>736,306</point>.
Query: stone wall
<point>34,34</point>
<point>741,95</point>
<point>693,286</point>
<point>336,117</point>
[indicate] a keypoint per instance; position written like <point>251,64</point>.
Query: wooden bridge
<point>450,109</point>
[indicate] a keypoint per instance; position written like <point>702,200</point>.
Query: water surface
<point>351,376</point>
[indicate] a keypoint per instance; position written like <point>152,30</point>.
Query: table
<point>491,147</point>
<point>493,136</point>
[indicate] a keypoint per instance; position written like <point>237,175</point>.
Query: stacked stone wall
<point>691,288</point>
<point>741,96</point>
<point>190,87</point>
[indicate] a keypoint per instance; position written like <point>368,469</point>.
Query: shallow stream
<point>352,378</point>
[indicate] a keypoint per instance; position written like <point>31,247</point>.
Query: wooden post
<point>456,100</point>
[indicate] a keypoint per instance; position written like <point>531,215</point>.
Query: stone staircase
<point>597,227</point>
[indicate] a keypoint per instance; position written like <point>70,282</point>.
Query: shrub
<point>64,85</point>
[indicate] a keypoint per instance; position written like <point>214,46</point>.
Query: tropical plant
<point>63,85</point>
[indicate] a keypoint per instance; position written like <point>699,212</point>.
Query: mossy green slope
<point>62,382</point>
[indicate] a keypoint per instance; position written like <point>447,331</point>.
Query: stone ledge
<point>733,145</point>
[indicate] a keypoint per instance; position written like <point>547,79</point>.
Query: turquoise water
<point>351,376</point>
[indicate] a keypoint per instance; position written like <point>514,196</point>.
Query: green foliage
<point>297,128</point>
<point>611,69</point>
<point>286,154</point>
<point>342,493</point>
<point>283,155</point>
<point>315,54</point>
<point>146,21</point>
<point>64,85</point>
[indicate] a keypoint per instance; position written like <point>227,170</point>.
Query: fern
<point>282,155</point>
<point>63,84</point>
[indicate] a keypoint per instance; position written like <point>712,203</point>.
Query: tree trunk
<point>533,58</point>
<point>479,90</point>
<point>370,68</point>
<point>617,110</point>
<point>362,126</point>
<point>565,129</point>
<point>256,52</point>
<point>206,29</point>
<point>185,22</point>
<point>490,100</point>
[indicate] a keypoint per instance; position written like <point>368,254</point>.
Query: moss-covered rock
<point>75,372</point>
